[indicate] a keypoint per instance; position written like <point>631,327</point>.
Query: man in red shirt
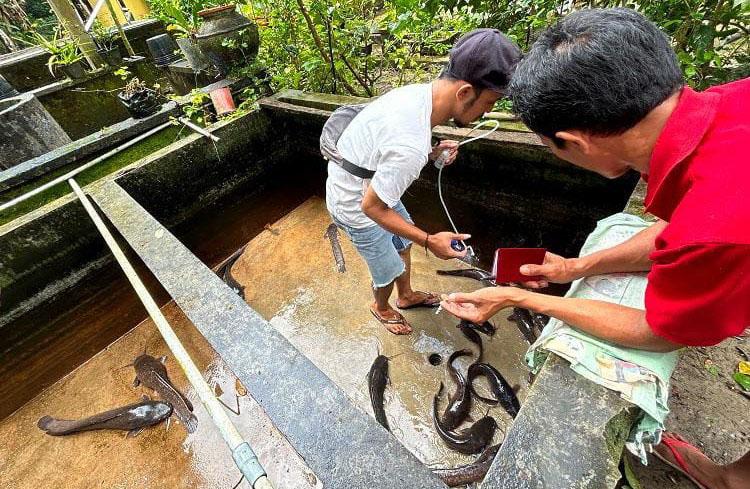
<point>603,89</point>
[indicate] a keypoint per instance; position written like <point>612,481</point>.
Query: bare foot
<point>392,320</point>
<point>417,299</point>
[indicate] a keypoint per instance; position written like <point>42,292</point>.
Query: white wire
<point>440,173</point>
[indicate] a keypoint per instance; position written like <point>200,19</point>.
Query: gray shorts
<point>380,249</point>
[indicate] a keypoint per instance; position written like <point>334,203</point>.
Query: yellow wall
<point>138,9</point>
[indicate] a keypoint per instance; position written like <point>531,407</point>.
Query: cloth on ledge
<point>641,377</point>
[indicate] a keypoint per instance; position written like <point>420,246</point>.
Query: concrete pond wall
<point>55,248</point>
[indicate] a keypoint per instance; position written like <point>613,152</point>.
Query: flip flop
<point>672,443</point>
<point>399,320</point>
<point>430,301</point>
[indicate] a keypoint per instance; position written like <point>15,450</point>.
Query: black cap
<point>485,58</point>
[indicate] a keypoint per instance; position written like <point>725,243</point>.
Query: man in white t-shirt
<point>376,151</point>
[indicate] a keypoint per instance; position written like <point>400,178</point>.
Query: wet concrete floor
<point>289,278</point>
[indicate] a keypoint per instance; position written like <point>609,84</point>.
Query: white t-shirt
<point>393,136</point>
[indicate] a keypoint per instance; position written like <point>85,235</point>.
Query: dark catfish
<point>472,336</point>
<point>332,233</point>
<point>132,417</point>
<point>499,387</point>
<point>224,271</point>
<point>376,380</point>
<point>153,374</point>
<point>470,440</point>
<point>473,472</point>
<point>473,273</point>
<point>460,402</point>
<point>525,323</point>
<point>485,328</point>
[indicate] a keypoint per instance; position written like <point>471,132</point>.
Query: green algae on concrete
<point>114,163</point>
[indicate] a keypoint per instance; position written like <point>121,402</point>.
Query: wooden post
<point>69,19</point>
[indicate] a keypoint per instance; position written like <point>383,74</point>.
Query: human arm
<point>629,256</point>
<point>390,220</point>
<point>616,323</point>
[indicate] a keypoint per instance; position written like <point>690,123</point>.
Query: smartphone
<point>508,261</point>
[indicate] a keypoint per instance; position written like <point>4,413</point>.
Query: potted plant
<point>226,36</point>
<point>181,19</point>
<point>106,42</point>
<point>140,100</point>
<point>64,56</point>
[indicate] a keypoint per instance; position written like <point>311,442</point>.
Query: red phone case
<point>509,260</point>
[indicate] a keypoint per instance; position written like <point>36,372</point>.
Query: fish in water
<point>525,323</point>
<point>460,402</point>
<point>503,392</point>
<point>472,336</point>
<point>224,271</point>
<point>470,440</point>
<point>376,380</point>
<point>131,418</point>
<point>473,273</point>
<point>473,472</point>
<point>332,233</point>
<point>152,373</point>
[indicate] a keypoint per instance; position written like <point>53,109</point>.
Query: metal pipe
<point>198,129</point>
<point>81,168</point>
<point>243,455</point>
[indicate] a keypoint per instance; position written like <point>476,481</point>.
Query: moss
<point>112,164</point>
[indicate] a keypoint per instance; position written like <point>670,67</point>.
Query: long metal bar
<point>243,455</point>
<point>81,168</point>
<point>198,129</point>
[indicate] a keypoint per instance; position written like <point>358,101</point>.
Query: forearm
<point>392,221</point>
<point>629,256</point>
<point>615,323</point>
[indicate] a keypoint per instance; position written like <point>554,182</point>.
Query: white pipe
<point>228,431</point>
<point>198,129</point>
<point>81,168</point>
<point>93,15</point>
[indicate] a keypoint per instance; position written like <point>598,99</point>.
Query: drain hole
<point>435,359</point>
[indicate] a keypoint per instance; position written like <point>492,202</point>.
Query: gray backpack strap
<point>334,127</point>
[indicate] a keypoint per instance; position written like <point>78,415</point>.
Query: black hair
<point>596,70</point>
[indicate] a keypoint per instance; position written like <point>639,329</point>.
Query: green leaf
<point>743,380</point>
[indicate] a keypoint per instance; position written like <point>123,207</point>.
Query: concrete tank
<point>27,130</point>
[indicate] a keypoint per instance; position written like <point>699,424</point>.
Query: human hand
<point>480,305</point>
<point>555,269</point>
<point>440,244</point>
<point>448,144</point>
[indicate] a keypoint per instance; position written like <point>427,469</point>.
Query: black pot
<point>163,49</point>
<point>112,56</point>
<point>74,71</point>
<point>140,104</point>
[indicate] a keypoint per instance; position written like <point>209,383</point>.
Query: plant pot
<point>112,56</point>
<point>163,49</point>
<point>195,58</point>
<point>222,100</point>
<point>74,71</point>
<point>222,27</point>
<point>140,104</point>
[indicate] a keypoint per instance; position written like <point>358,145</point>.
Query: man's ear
<point>576,140</point>
<point>465,93</point>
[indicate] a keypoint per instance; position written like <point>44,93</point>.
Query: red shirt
<point>699,182</point>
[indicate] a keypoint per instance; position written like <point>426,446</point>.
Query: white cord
<point>440,163</point>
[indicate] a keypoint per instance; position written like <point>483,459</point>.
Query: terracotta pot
<point>222,100</point>
<point>224,25</point>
